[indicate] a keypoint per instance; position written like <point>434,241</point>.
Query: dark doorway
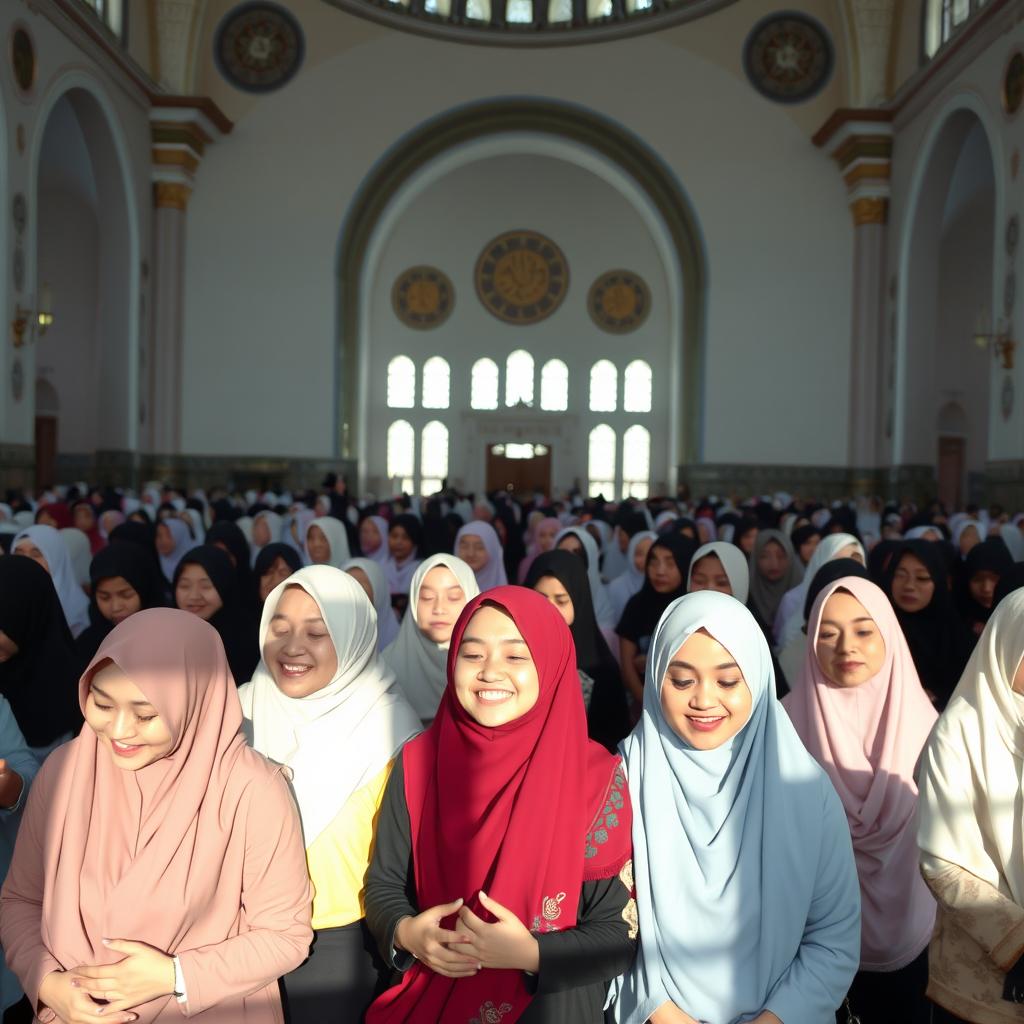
<point>519,468</point>
<point>952,463</point>
<point>46,451</point>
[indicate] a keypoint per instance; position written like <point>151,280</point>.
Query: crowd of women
<point>276,757</point>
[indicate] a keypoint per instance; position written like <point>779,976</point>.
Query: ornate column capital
<point>181,128</point>
<point>860,142</point>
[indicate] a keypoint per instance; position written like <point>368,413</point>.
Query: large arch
<point>119,248</point>
<point>577,134</point>
<point>963,122</point>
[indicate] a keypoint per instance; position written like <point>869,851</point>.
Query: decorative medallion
<point>788,57</point>
<point>23,59</point>
<point>17,379</point>
<point>619,301</point>
<point>521,277</point>
<point>1009,293</point>
<point>422,297</point>
<point>1013,84</point>
<point>1006,397</point>
<point>259,47</point>
<point>1012,234</point>
<point>19,212</point>
<point>19,268</point>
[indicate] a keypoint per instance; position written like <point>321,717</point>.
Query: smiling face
<point>554,590</point>
<point>116,599</point>
<point>704,697</point>
<point>370,539</point>
<point>124,720</point>
<point>28,548</point>
<point>473,551</point>
<point>196,593</point>
<point>850,649</point>
<point>495,677</point>
<point>709,574</point>
<point>298,649</point>
<point>439,604</point>
<point>318,547</point>
<point>912,585</point>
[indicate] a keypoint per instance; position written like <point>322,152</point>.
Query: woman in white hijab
<point>370,576</point>
<point>194,519</point>
<point>440,588</point>
<point>579,541</point>
<point>625,585</point>
<point>747,891</point>
<point>322,703</point>
<point>80,553</point>
<point>970,832</point>
<point>789,619</point>
<point>173,541</point>
<point>477,544</point>
<point>43,544</point>
<point>1013,539</point>
<point>267,528</point>
<point>326,542</point>
<point>720,566</point>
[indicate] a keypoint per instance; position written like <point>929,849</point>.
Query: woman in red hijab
<point>501,882</point>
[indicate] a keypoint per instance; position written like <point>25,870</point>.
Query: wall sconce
<point>41,319</point>
<point>999,341</point>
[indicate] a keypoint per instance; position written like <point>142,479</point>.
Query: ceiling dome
<point>529,22</point>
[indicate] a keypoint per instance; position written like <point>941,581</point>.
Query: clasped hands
<point>144,974</point>
<point>473,944</point>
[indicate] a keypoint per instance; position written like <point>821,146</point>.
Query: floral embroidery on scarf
<point>609,816</point>
<point>491,1014</point>
<point>551,911</point>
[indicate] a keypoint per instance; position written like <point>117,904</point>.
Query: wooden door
<point>518,476</point>
<point>952,463</point>
<point>46,451</point>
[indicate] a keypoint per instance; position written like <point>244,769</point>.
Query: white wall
<point>270,200</point>
<point>447,225</point>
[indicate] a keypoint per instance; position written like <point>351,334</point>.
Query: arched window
<point>401,455</point>
<point>636,462</point>
<point>943,18</point>
<point>401,383</point>
<point>519,378</point>
<point>519,12</point>
<point>604,386</point>
<point>433,457</point>
<point>636,395</point>
<point>478,10</point>
<point>484,388</point>
<point>436,383</point>
<point>601,461</point>
<point>554,386</point>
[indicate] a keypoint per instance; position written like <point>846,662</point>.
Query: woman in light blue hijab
<point>746,886</point>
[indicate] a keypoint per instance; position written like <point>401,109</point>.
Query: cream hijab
<point>337,539</point>
<point>734,562</point>
<point>420,665</point>
<point>339,738</point>
<point>971,803</point>
<point>387,623</point>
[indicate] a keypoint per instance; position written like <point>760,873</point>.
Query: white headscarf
<point>387,624</point>
<point>79,551</point>
<point>1014,540</point>
<point>421,665</point>
<point>734,562</point>
<point>337,539</point>
<point>183,543</point>
<point>195,519</point>
<point>72,598</point>
<point>789,620</point>
<point>339,738</point>
<point>382,553</point>
<point>603,609</point>
<point>493,573</point>
<point>275,525</point>
<point>970,804</point>
<point>623,587</point>
<point>736,850</point>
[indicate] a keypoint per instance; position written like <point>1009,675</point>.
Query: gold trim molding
<point>171,195</point>
<point>870,210</point>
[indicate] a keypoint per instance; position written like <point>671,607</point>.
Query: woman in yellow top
<point>322,704</point>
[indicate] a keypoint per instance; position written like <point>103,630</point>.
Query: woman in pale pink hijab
<point>862,713</point>
<point>160,860</point>
<point>542,539</point>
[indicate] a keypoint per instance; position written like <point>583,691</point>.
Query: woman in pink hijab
<point>542,539</point>
<point>862,713</point>
<point>159,868</point>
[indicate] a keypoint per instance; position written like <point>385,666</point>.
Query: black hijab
<point>513,548</point>
<point>269,554</point>
<point>608,715</point>
<point>837,569</point>
<point>41,680</point>
<point>227,534</point>
<point>133,564</point>
<point>237,622</point>
<point>990,555</point>
<point>1009,582</point>
<point>801,535</point>
<point>939,642</point>
<point>646,606</point>
<point>413,527</point>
